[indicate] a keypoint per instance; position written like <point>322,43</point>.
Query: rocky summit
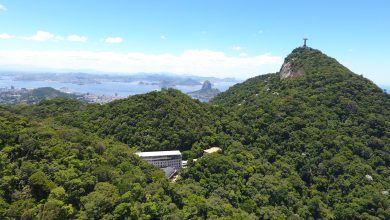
<point>206,85</point>
<point>305,60</point>
<point>206,93</point>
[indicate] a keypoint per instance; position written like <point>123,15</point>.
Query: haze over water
<point>105,88</point>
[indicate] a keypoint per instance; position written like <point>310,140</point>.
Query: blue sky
<point>203,37</point>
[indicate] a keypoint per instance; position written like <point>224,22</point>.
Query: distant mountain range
<point>163,79</point>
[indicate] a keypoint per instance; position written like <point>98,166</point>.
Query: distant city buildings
<point>11,95</point>
<point>101,99</point>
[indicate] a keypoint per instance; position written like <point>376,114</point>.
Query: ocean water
<point>386,87</point>
<point>105,88</point>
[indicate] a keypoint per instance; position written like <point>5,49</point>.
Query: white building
<point>163,159</point>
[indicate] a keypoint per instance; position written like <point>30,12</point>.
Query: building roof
<point>212,150</point>
<point>169,171</point>
<point>158,153</point>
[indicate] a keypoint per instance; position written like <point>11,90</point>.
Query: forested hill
<point>309,142</point>
<point>328,125</point>
<point>305,70</point>
<point>165,120</point>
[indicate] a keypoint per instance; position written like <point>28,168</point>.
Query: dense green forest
<point>314,146</point>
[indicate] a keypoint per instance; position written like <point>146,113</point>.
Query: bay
<point>108,88</point>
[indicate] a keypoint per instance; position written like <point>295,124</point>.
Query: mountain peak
<point>306,60</point>
<point>206,93</point>
<point>206,85</point>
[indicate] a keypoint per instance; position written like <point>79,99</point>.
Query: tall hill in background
<point>330,125</point>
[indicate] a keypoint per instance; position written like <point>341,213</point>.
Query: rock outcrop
<point>206,85</point>
<point>306,61</point>
<point>287,72</point>
<point>206,93</point>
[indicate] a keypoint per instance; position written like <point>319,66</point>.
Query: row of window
<point>175,163</point>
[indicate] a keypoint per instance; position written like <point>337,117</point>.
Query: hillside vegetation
<point>155,121</point>
<point>312,146</point>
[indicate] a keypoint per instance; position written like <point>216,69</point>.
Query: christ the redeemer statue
<point>304,42</point>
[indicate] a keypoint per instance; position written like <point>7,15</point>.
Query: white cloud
<point>243,55</point>
<point>5,36</point>
<point>197,62</point>
<point>2,8</point>
<point>113,40</point>
<point>77,38</point>
<point>44,36</point>
<point>237,48</point>
<point>163,37</point>
<point>58,37</point>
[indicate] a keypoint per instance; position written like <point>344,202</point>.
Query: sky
<point>221,38</point>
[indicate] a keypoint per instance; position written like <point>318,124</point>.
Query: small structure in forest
<point>169,161</point>
<point>212,150</point>
<point>162,159</point>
